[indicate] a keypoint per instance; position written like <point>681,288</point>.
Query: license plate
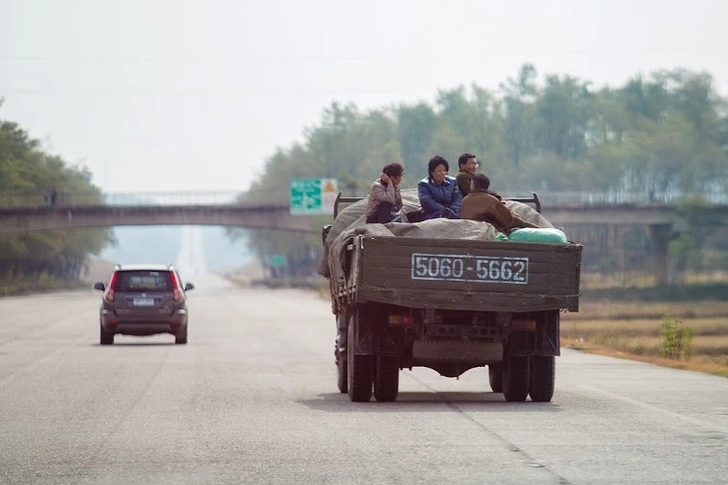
<point>143,301</point>
<point>483,269</point>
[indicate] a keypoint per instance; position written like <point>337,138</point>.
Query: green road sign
<point>312,196</point>
<point>277,260</point>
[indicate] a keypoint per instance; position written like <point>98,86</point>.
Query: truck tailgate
<point>465,274</point>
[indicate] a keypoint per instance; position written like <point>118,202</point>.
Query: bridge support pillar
<point>660,238</point>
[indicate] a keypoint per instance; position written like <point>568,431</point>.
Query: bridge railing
<point>279,197</point>
<point>586,199</point>
<point>71,199</point>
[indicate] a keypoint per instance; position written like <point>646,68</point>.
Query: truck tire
<point>495,376</point>
<point>359,370</point>
<point>515,379</point>
<point>386,378</point>
<point>341,377</point>
<point>340,352</point>
<point>543,378</point>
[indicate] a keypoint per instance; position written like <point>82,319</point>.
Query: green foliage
<point>676,341</point>
<point>660,135</point>
<point>46,259</point>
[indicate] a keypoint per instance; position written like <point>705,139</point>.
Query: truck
<point>451,303</point>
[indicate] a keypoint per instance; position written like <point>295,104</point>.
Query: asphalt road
<point>252,399</point>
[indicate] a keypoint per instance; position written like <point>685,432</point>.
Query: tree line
<point>657,134</point>
<point>662,134</point>
<point>35,259</point>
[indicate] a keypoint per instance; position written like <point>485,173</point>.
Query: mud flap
<point>544,340</point>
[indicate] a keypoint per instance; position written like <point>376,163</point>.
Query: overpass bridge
<point>22,213</point>
<point>220,208</point>
<point>262,216</point>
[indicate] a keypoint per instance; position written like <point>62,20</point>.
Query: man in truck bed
<point>480,205</point>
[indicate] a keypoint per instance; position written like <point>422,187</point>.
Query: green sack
<point>538,234</point>
<point>501,237</point>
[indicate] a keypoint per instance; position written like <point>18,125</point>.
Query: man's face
<point>471,166</point>
<point>397,179</point>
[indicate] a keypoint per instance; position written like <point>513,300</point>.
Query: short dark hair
<point>393,169</point>
<point>434,162</point>
<point>481,181</point>
<point>463,159</point>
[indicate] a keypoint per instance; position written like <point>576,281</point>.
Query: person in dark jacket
<point>467,165</point>
<point>438,193</point>
<point>481,205</point>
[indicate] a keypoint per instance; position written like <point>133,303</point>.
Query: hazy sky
<point>195,95</point>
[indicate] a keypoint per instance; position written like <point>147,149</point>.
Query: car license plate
<point>143,301</point>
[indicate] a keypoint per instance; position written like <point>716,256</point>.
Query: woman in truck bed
<point>439,193</point>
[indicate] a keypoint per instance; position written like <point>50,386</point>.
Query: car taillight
<point>109,295</point>
<point>176,291</point>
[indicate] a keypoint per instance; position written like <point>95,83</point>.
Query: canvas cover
<point>351,222</point>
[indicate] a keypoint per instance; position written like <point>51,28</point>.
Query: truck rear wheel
<point>386,378</point>
<point>543,378</point>
<point>340,354</point>
<point>495,376</point>
<point>515,379</point>
<point>359,369</point>
<point>341,377</point>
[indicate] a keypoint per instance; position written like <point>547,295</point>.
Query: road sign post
<point>312,196</point>
<point>277,260</point>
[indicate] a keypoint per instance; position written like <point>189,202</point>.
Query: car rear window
<point>144,281</point>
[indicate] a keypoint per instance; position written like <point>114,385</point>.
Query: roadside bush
<point>676,341</point>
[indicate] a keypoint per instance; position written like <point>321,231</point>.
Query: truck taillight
<point>109,295</point>
<point>523,325</point>
<point>176,291</point>
<point>401,320</point>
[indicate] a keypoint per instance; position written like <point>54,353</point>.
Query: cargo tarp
<point>351,222</point>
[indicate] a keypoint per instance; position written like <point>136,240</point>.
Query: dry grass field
<point>633,330</point>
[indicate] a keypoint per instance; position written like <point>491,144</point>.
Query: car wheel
<point>105,338</point>
<point>180,337</point>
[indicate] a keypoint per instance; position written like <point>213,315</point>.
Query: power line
<point>200,91</point>
<point>427,56</point>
